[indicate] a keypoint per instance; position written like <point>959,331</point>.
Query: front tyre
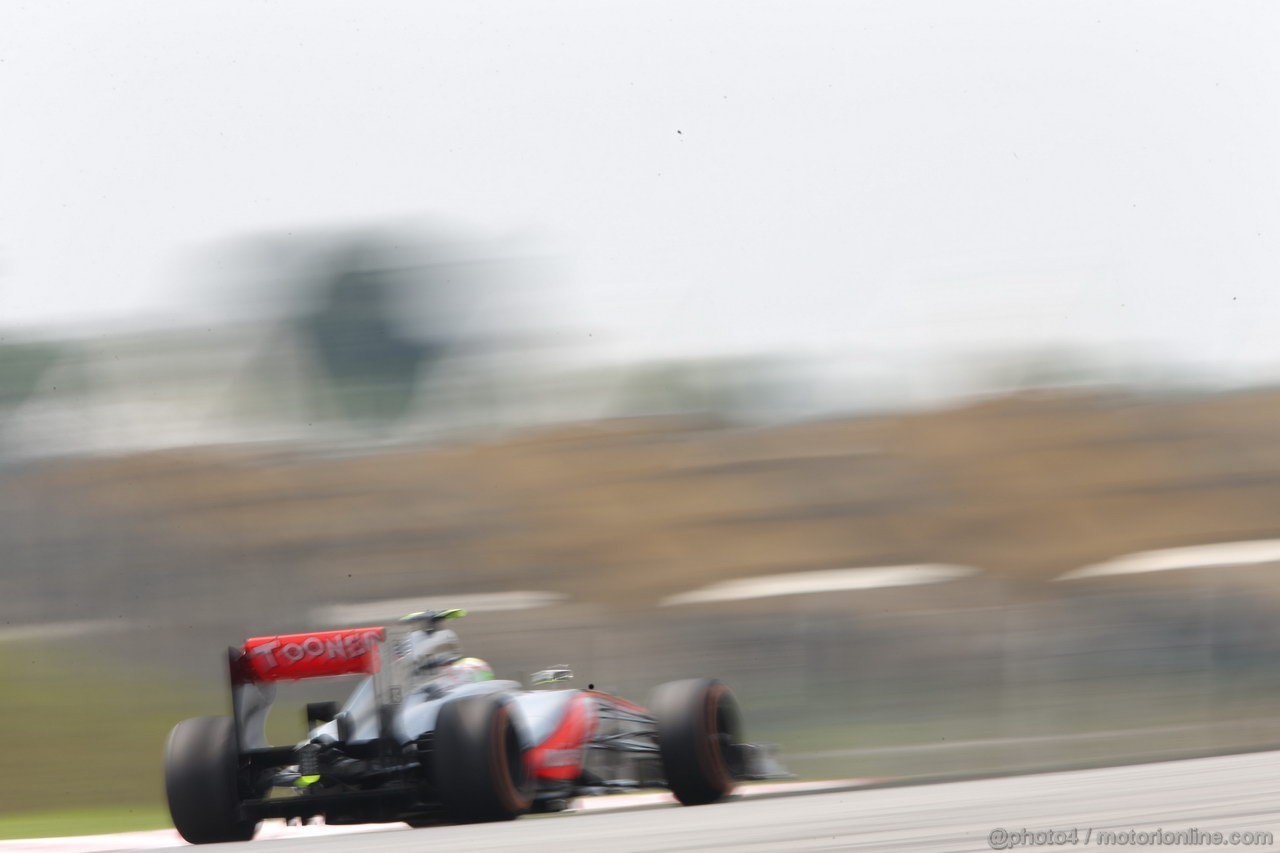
<point>201,773</point>
<point>698,728</point>
<point>481,767</point>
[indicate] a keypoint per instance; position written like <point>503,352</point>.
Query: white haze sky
<point>715,176</point>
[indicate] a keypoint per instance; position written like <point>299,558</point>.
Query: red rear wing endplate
<point>317,654</point>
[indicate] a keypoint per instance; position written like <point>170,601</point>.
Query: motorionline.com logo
<point>1010,839</point>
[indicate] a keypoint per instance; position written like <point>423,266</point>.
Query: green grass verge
<point>85,736</point>
<point>52,824</point>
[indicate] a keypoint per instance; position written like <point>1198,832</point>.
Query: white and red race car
<point>429,736</point>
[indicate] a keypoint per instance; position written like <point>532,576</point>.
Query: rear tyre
<point>201,780</point>
<point>481,767</point>
<point>698,727</point>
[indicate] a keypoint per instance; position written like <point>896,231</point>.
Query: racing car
<point>428,736</point>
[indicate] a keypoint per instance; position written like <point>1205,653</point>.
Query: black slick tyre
<point>201,780</point>
<point>480,761</point>
<point>698,726</point>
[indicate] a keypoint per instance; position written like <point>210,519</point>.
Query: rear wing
<point>319,654</point>
<point>257,666</point>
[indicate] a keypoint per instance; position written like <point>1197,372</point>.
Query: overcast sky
<point>714,176</point>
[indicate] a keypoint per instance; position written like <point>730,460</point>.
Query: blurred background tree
<point>21,367</point>
<point>369,365</point>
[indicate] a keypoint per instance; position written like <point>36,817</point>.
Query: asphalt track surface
<point>1239,793</point>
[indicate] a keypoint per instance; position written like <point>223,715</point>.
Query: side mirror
<point>551,676</point>
<point>321,712</point>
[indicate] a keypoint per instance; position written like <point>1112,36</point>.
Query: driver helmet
<point>473,669</point>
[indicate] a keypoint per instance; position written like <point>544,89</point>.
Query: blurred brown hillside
<point>630,511</point>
